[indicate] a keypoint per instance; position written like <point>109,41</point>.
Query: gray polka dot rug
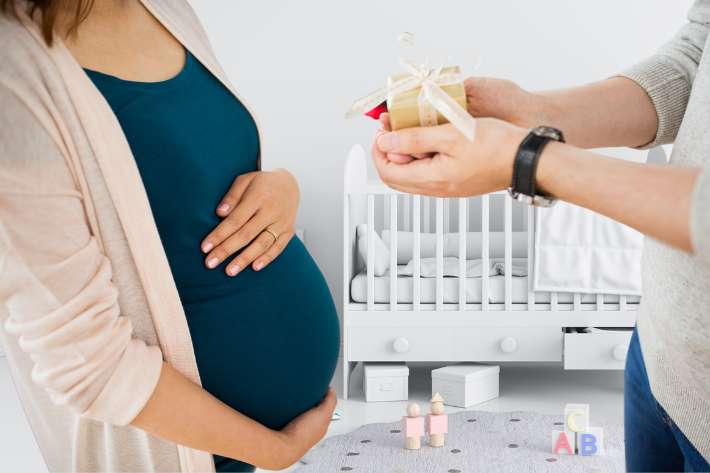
<point>476,442</point>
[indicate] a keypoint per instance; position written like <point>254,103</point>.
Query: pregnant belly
<point>268,344</point>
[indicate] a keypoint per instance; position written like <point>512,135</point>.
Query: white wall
<point>302,64</point>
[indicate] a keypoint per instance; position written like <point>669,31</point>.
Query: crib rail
<point>416,218</point>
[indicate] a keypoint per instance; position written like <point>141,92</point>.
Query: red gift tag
<point>377,111</point>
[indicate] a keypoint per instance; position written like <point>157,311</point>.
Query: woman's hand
<point>457,168</point>
<point>255,201</point>
<point>306,430</point>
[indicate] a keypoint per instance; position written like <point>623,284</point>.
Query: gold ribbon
<point>431,81</point>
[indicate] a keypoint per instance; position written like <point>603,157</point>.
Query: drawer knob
<point>400,345</point>
<point>508,345</point>
<point>619,352</point>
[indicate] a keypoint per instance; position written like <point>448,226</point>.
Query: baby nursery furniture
<point>426,312</point>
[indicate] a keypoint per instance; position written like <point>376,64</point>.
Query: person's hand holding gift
<point>439,161</point>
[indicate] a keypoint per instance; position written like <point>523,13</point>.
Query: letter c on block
<point>570,421</point>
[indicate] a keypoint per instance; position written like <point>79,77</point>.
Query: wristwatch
<point>525,166</point>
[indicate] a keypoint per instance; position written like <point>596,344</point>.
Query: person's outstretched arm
<point>661,201</point>
<point>642,108</point>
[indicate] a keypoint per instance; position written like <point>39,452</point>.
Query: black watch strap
<point>525,165</point>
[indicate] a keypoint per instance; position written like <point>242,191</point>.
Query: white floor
<point>531,387</point>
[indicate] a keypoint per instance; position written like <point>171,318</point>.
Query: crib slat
<point>468,215</point>
<point>485,227</point>
<point>530,227</point>
<point>600,302</point>
<point>553,301</point>
<point>577,302</point>
<point>393,253</point>
<point>427,218</point>
<point>439,254</point>
<point>508,216</point>
<point>417,253</point>
<point>447,210</point>
<point>405,209</point>
<point>370,252</point>
<point>622,303</point>
<point>385,213</point>
<point>462,254</point>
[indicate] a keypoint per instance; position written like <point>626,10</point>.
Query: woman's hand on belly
<point>306,430</point>
<point>256,201</point>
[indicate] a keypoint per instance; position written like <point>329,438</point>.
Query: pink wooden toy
<point>413,427</point>
<point>437,422</point>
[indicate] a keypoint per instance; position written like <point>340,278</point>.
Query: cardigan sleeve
<point>57,285</point>
<point>667,76</point>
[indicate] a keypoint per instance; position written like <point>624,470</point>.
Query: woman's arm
<point>184,413</point>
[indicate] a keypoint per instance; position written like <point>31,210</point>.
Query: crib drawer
<point>508,344</point>
<point>596,351</point>
<point>400,343</point>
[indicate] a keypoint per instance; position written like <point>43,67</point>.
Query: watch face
<point>549,132</point>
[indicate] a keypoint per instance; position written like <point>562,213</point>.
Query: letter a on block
<point>562,443</point>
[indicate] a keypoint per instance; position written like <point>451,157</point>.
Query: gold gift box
<point>404,107</point>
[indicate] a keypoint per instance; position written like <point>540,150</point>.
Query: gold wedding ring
<point>273,233</point>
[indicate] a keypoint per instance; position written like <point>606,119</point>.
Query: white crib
<point>540,329</point>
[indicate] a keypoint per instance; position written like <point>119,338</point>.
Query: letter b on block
<point>563,443</point>
<point>591,442</point>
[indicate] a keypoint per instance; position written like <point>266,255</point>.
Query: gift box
<point>405,110</point>
<point>421,97</point>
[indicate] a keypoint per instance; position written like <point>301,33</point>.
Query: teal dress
<point>266,342</point>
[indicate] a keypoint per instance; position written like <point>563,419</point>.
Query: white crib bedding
<point>496,291</point>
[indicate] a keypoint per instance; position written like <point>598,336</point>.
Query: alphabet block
<point>591,442</point>
<point>437,423</point>
<point>563,443</point>
<point>576,419</point>
<point>413,426</point>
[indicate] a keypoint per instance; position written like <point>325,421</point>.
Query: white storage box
<point>465,384</point>
<point>385,382</point>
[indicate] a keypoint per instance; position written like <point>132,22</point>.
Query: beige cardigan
<point>90,306</point>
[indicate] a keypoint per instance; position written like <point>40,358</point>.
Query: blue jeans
<point>653,441</point>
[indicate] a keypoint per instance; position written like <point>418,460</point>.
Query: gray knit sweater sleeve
<point>668,75</point>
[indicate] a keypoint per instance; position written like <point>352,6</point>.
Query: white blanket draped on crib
<point>577,250</point>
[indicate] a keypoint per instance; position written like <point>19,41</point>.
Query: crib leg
<point>348,367</point>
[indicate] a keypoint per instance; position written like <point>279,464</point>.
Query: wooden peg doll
<point>413,427</point>
<point>436,422</point>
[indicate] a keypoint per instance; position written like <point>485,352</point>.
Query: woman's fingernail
<point>223,207</point>
<point>207,248</point>
<point>389,142</point>
<point>233,270</point>
<point>259,265</point>
<point>212,263</point>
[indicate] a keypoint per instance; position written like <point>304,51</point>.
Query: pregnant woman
<point>112,129</point>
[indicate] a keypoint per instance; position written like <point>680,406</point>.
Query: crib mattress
<point>496,291</point>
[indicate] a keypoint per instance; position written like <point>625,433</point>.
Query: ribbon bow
<point>431,81</point>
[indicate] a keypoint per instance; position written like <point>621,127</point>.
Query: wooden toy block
<point>437,423</point>
<point>413,427</point>
<point>591,442</point>
<point>576,418</point>
<point>563,443</point>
